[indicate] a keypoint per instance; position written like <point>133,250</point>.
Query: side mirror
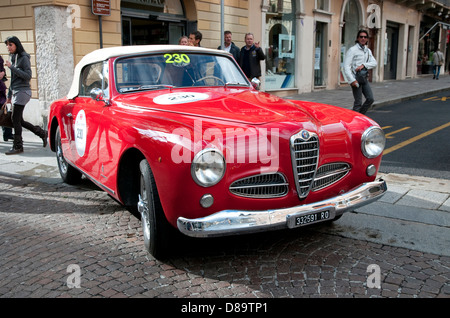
<point>256,83</point>
<point>98,95</point>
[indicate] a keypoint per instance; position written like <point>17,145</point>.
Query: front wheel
<point>156,229</point>
<point>69,174</point>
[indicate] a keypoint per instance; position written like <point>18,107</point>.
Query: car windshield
<point>183,69</point>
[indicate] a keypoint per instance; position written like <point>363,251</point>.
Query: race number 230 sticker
<point>177,59</point>
<point>80,133</point>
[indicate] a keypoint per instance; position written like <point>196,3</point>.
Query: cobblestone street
<point>45,228</point>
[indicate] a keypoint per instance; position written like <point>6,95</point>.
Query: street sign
<point>101,7</point>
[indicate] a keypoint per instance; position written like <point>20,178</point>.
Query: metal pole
<point>222,25</point>
<point>100,29</point>
<point>429,30</point>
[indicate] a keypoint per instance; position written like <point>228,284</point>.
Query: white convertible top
<point>107,53</point>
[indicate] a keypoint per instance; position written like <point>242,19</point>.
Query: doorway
<point>391,51</point>
<point>320,54</point>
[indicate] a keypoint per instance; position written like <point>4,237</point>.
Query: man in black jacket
<point>229,46</point>
<point>250,57</point>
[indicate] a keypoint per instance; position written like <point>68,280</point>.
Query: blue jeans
<point>436,70</point>
<point>358,92</point>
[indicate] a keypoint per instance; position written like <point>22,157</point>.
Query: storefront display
<point>280,33</point>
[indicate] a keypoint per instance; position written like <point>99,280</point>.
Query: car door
<point>85,123</point>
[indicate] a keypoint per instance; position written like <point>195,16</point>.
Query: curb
<point>408,97</point>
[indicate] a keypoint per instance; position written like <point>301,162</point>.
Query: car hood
<point>236,105</point>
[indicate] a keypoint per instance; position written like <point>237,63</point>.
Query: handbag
<point>361,76</point>
<point>5,117</point>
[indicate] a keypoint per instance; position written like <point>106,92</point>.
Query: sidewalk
<point>428,193</point>
<point>388,92</point>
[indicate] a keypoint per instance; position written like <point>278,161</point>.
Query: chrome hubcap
<point>62,162</point>
<point>143,210</point>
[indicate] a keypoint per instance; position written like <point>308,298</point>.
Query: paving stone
<point>83,226</point>
<point>423,199</point>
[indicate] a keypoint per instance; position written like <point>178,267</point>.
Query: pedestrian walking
<point>438,61</point>
<point>358,60</point>
<point>20,93</point>
<point>7,131</point>
<point>229,46</point>
<point>250,57</point>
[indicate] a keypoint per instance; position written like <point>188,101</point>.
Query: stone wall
<point>54,55</point>
<point>236,19</point>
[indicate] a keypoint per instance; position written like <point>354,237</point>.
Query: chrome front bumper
<point>230,222</point>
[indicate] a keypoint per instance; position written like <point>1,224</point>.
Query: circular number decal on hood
<point>80,132</point>
<point>179,98</point>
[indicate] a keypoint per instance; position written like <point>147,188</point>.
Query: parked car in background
<point>180,135</point>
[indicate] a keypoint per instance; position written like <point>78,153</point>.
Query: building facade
<point>305,41</point>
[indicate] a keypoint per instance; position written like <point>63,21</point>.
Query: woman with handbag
<point>358,60</point>
<point>7,131</point>
<point>20,93</point>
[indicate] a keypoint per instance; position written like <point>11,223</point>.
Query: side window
<point>92,77</point>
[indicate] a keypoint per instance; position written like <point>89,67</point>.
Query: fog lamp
<point>371,170</point>
<point>207,201</point>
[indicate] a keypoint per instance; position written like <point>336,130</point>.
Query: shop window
<point>152,22</point>
<point>280,53</point>
<point>323,5</point>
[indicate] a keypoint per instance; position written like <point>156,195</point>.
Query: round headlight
<point>373,142</point>
<point>208,167</point>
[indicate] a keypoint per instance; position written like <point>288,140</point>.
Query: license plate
<point>294,221</point>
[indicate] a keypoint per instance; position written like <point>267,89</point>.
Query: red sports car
<point>180,135</point>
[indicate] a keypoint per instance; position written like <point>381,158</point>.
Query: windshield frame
<point>242,83</point>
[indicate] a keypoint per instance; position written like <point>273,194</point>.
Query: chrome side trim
<point>87,175</point>
<point>229,222</point>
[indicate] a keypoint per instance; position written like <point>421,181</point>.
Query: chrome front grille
<point>305,157</point>
<point>329,174</point>
<point>261,186</point>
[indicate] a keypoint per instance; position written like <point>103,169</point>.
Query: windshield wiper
<point>146,87</point>
<point>235,84</point>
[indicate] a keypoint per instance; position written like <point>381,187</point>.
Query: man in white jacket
<point>357,58</point>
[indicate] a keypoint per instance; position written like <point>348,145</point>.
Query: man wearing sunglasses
<point>357,62</point>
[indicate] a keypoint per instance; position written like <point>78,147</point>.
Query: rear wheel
<point>156,229</point>
<point>69,174</point>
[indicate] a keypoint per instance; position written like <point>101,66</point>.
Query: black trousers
<point>18,122</point>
